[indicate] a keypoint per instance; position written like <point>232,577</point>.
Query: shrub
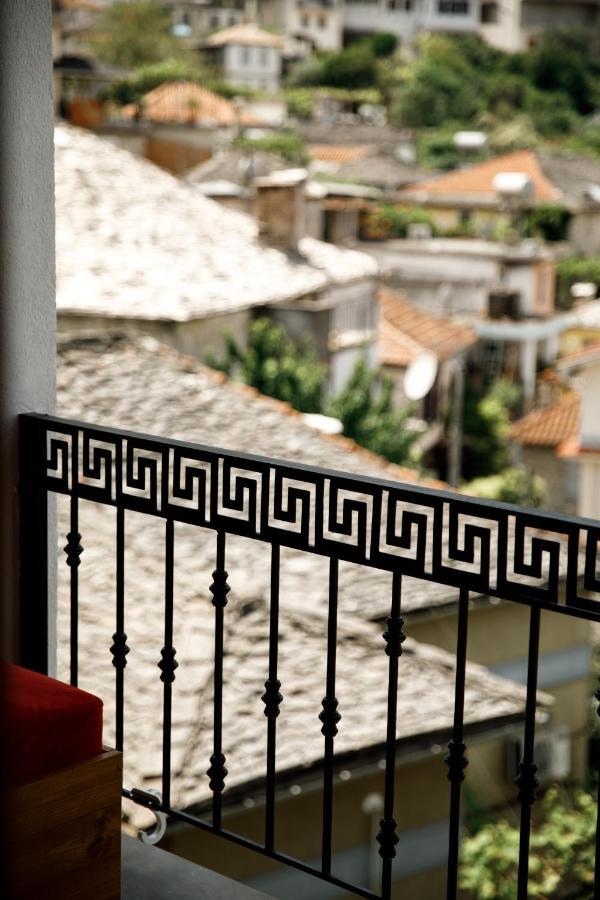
<point>549,221</point>
<point>387,221</point>
<point>286,144</point>
<point>300,102</point>
<point>440,86</point>
<point>577,75</point>
<point>383,43</point>
<point>511,485</point>
<point>573,269</point>
<point>486,423</point>
<point>353,67</point>
<point>562,852</point>
<point>146,78</point>
<point>307,73</point>
<point>365,409</point>
<point>275,366</point>
<point>135,33</point>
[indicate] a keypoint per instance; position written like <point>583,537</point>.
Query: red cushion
<point>49,725</point>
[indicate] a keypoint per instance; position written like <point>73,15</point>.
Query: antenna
<point>420,376</point>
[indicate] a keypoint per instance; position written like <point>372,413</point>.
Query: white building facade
<point>407,18</point>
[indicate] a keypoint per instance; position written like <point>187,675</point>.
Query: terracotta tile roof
<point>184,101</point>
<point>406,332</point>
<point>478,180</point>
<point>339,153</point>
<point>550,426</point>
<point>245,35</point>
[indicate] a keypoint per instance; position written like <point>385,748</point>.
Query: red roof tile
<point>550,426</point>
<point>406,332</point>
<point>339,153</point>
<point>477,180</point>
<point>184,101</point>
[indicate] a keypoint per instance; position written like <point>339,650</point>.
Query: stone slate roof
<point>550,426</point>
<point>134,241</point>
<point>236,166</point>
<point>139,385</point>
<point>406,332</point>
<point>573,174</point>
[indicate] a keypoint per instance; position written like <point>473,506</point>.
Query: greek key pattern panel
<point>489,548</point>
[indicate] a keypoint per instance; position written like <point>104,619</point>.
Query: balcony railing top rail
<point>545,561</point>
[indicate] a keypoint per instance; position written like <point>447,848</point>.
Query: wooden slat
<point>64,832</point>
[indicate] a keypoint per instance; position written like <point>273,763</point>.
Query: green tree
<point>383,43</point>
<point>578,74</point>
<point>275,366</point>
<point>440,86</point>
<point>561,862</point>
<point>353,67</point>
<point>549,221</point>
<point>486,423</point>
<point>511,485</point>
<point>146,78</point>
<point>132,34</point>
<point>287,144</point>
<point>366,411</point>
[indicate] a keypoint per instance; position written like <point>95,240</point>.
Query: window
<point>264,56</point>
<point>305,21</point>
<point>453,7</point>
<point>322,22</point>
<point>403,5</point>
<point>244,55</point>
<point>489,13</point>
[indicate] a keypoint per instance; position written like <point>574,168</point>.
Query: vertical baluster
<point>329,718</point>
<point>456,760</point>
<point>217,771</point>
<point>526,780</point>
<point>394,637</point>
<point>73,550</point>
<point>272,698</point>
<point>168,663</point>
<point>119,648</point>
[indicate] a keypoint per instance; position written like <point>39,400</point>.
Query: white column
<point>27,307</point>
<point>527,365</point>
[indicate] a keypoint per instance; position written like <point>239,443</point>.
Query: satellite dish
<point>420,376</point>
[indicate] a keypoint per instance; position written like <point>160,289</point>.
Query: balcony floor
<point>148,873</point>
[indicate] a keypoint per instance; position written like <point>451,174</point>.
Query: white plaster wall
<point>27,308</point>
<point>588,384</point>
<point>254,67</point>
<point>322,24</point>
<point>376,15</point>
<point>589,487</point>
<point>522,279</point>
<point>506,32</point>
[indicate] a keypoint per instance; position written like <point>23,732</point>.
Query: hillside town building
<point>140,251</point>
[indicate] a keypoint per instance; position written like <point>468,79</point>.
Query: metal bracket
<point>158,832</point>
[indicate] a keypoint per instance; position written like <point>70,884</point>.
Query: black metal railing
<point>544,561</point>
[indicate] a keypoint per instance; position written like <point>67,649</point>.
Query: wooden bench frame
<point>63,833</point>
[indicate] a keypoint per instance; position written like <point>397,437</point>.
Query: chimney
<point>280,208</point>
